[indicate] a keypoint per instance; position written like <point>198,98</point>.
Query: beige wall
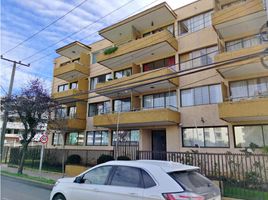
<point>194,8</point>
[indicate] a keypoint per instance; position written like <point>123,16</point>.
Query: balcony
<point>248,110</point>
<point>71,70</point>
<point>158,45</point>
<point>72,94</point>
<point>245,66</point>
<point>143,118</point>
<point>245,17</point>
<point>70,124</point>
<point>155,80</point>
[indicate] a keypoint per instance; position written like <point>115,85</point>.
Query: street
<point>14,189</point>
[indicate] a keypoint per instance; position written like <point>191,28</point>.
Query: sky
<point>21,19</point>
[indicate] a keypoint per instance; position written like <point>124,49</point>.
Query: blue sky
<point>20,19</point>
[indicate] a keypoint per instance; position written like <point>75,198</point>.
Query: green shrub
<point>123,158</point>
<point>74,159</point>
<point>110,50</point>
<point>104,158</point>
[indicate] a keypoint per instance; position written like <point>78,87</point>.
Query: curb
<point>30,182</point>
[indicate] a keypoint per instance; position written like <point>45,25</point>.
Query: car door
<point>125,184</point>
<point>92,185</point>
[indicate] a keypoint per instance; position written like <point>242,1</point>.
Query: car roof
<point>167,166</point>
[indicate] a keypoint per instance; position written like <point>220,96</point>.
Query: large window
<point>195,23</point>
<point>205,137</point>
<point>99,79</point>
<point>201,95</point>
<point>98,108</point>
<point>126,137</point>
<point>61,113</point>
<point>162,100</point>
<point>71,111</point>
<point>243,43</point>
<point>74,138</point>
<point>166,62</point>
<point>57,139</point>
<point>198,58</point>
<point>62,87</point>
<point>74,85</point>
<point>122,105</point>
<point>122,73</point>
<point>97,138</point>
<point>246,136</point>
<point>249,88</point>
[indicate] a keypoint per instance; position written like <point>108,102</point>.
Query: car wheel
<point>59,197</point>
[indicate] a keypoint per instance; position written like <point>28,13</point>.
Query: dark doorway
<point>159,144</point>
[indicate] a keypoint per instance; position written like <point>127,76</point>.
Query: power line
<point>83,38</point>
<point>42,29</point>
<point>97,32</point>
<point>74,33</point>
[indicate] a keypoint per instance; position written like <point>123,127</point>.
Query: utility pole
<point>5,117</point>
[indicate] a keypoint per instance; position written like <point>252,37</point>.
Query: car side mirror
<point>79,179</point>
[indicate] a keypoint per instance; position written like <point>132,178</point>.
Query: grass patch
<point>27,177</point>
<point>241,193</point>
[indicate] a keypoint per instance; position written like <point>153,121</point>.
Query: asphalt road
<point>13,189</point>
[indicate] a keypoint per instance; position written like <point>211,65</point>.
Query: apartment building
<point>193,78</point>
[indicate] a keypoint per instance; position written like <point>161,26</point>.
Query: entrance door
<point>159,144</point>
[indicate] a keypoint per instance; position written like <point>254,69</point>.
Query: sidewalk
<point>49,175</point>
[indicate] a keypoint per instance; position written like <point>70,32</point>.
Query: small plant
<point>74,160</point>
<point>110,50</point>
<point>104,158</point>
<point>123,158</point>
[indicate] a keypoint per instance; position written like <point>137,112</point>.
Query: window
<point>170,28</point>
<point>94,57</point>
<point>162,100</point>
<point>195,23</point>
<point>62,88</point>
<point>198,58</point>
<point>245,136</point>
<point>71,112</point>
<point>97,138</point>
<point>166,62</point>
<point>122,105</point>
<point>243,43</point>
<point>98,108</point>
<point>126,177</point>
<point>61,113</point>
<point>126,137</point>
<point>97,176</point>
<point>201,95</point>
<point>147,179</point>
<point>249,88</point>
<point>205,137</point>
<point>74,138</point>
<point>74,85</point>
<point>57,139</point>
<point>99,79</point>
<point>122,73</point>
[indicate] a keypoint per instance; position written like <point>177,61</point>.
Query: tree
<point>32,105</point>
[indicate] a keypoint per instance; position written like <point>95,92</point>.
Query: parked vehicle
<point>137,180</point>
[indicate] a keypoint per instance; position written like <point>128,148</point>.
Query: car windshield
<point>193,181</point>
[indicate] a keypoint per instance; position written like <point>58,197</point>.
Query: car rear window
<point>147,179</point>
<point>192,181</point>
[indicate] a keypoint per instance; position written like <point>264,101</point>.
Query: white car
<point>137,180</point>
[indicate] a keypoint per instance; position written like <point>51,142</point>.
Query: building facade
<point>193,78</point>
